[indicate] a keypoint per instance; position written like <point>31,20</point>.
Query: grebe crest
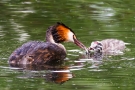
<point>62,33</point>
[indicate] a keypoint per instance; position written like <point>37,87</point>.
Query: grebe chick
<point>49,52</point>
<point>108,46</point>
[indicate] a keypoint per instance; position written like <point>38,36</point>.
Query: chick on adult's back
<point>49,52</point>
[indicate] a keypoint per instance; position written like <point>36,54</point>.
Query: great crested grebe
<point>49,52</point>
<point>108,46</point>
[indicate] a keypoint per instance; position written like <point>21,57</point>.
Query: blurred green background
<point>25,20</point>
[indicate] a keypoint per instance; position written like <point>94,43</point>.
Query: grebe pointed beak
<point>78,43</point>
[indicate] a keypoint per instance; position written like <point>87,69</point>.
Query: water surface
<point>22,21</point>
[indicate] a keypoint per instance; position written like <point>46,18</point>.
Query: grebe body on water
<point>49,52</point>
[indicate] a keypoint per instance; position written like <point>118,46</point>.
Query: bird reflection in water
<point>59,76</point>
<point>56,74</point>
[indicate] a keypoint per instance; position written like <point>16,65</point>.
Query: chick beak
<point>91,49</point>
<point>78,43</point>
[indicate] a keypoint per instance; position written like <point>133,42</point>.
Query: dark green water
<point>22,21</point>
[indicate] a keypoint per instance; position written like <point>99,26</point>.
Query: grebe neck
<point>49,37</point>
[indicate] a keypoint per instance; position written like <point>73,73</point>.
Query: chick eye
<point>99,44</point>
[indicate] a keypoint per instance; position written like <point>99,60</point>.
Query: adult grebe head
<point>61,33</point>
